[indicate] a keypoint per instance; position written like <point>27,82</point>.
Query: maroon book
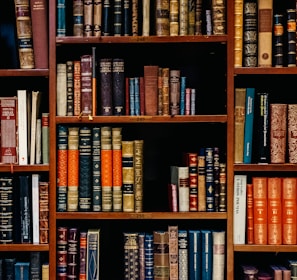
<point>151,89</point>
<point>86,85</point>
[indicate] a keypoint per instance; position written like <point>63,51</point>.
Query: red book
<point>260,210</point>
<point>86,85</point>
<point>8,113</point>
<point>292,133</point>
<point>289,210</point>
<point>39,16</point>
<point>250,214</point>
<point>274,210</point>
<point>151,89</point>
<point>76,87</point>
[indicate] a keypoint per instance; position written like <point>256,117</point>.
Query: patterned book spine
<point>76,88</point>
<point>191,161</point>
<point>61,89</point>
<point>39,15</point>
<point>6,210</point>
<point>131,255</point>
<point>278,40</point>
<point>24,34</point>
<point>138,174</point>
<point>194,254</point>
<point>249,214</point>
<point>43,212</point>
<point>183,189</point>
<point>291,37</point>
<point>45,137</point>
<point>182,95</point>
<point>146,18</point>
<point>72,252</point>
<point>82,255</point>
<point>149,256</point>
<point>85,169</point>
<point>216,177</point>
<point>187,101</point>
<point>69,83</point>
<point>8,114</point>
<point>289,210</point>
<point>78,18</point>
<point>238,32</point>
<point>201,181</point>
<point>132,96</point>
<point>62,233</point>
<point>207,254</point>
<point>292,133</point>
<point>117,201</point>
<point>118,83</point>
<point>209,179</point>
<point>223,188</point>
<point>62,163</point>
<point>173,251</point>
<point>161,255</point>
<point>88,18</point>
<point>134,17</point>
<point>106,17</point>
<point>219,252</point>
<point>183,17</point>
<point>250,43</point>
<point>260,210</point>
<point>183,251</point>
<point>127,27</point>
<point>198,17</point>
<point>35,265</point>
<point>86,84</point>
<point>61,18</point>
<point>96,172</point>
<point>174,92</point>
<point>162,18</point>
<point>106,86</point>
<point>141,255</point>
<point>151,89</point>
<point>93,254</point>
<point>73,169</point>
<point>218,17</point>
<point>128,176</point>
<point>97,18</point>
<point>278,133</point>
<point>274,207</point>
<point>117,18</point>
<point>160,92</point>
<point>106,168</point>
<point>137,96</point>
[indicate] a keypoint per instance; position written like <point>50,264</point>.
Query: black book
<point>107,14</point>
<point>35,265</point>
<point>126,18</point>
<point>8,268</point>
<point>118,83</point>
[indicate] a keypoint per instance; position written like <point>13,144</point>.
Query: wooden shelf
<point>24,72</point>
<point>24,247</point>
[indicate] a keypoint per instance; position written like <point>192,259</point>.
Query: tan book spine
<point>201,182</point>
<point>183,17</point>
<point>165,91</point>
<point>173,252</point>
<point>88,18</point>
<point>43,212</point>
<point>219,17</point>
<point>238,32</point>
<point>292,133</point>
<point>173,17</point>
<point>174,93</point>
<point>191,17</point>
<point>138,174</point>
<point>162,18</point>
<point>146,18</point>
<point>97,18</point>
<point>61,89</point>
<point>78,14</point>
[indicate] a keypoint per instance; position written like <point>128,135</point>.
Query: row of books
<point>24,212</point>
<point>34,268</point>
<point>175,254</point>
<point>160,91</point>
<point>134,18</point>
<point>98,171</point>
<point>78,253</point>
<point>264,131</point>
<point>265,210</point>
<point>199,185</point>
<point>264,35</point>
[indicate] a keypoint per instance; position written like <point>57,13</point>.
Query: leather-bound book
<point>69,83</point>
<point>127,15</point>
<point>291,37</point>
<point>117,18</point>
<point>76,88</point>
<point>106,86</point>
<point>106,18</point>
<point>238,32</point>
<point>118,83</point>
<point>174,95</point>
<point>97,18</point>
<point>161,255</point>
<point>249,214</point>
<point>86,85</point>
<point>162,18</point>
<point>43,212</point>
<point>218,17</point>
<point>183,17</point>
<point>146,17</point>
<point>88,18</point>
<point>278,40</point>
<point>292,133</point>
<point>173,251</point>
<point>166,90</point>
<point>134,10</point>
<point>131,255</point>
<point>151,89</point>
<point>78,18</point>
<point>73,252</point>
<point>138,174</point>
<point>96,172</point>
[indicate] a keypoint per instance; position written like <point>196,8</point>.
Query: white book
<point>183,189</point>
<point>218,255</point>
<point>22,127</point>
<point>239,209</point>
<point>35,208</point>
<point>61,89</point>
<point>34,114</point>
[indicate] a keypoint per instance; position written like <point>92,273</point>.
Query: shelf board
<point>24,168</point>
<point>144,119</point>
<point>265,70</point>
<point>140,216</point>
<point>265,248</point>
<point>141,39</point>
<point>24,247</point>
<point>265,167</point>
<point>24,72</point>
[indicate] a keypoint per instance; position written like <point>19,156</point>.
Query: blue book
<point>137,96</point>
<point>96,172</point>
<point>8,269</point>
<point>194,255</point>
<point>149,256</point>
<point>132,96</point>
<point>93,253</point>
<point>182,95</point>
<point>249,124</point>
<point>61,18</point>
<point>21,270</point>
<point>206,254</point>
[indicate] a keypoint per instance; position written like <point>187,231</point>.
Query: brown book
<point>250,214</point>
<point>78,18</point>
<point>88,18</point>
<point>292,133</point>
<point>9,129</point>
<point>173,17</point>
<point>238,32</point>
<point>173,251</point>
<point>260,210</point>
<point>76,88</point>
<point>174,95</point>
<point>278,133</point>
<point>274,210</point>
<point>218,17</point>
<point>201,181</point>
<point>166,88</point>
<point>151,89</point>
<point>43,212</point>
<point>289,210</point>
<point>265,23</point>
<point>24,34</point>
<point>39,16</point>
<point>239,120</point>
<point>276,272</point>
<point>134,17</point>
<point>97,18</point>
<point>162,18</point>
<point>86,85</point>
<point>138,174</point>
<point>160,92</point>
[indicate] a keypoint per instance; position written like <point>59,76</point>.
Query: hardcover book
<point>45,137</point>
<point>207,254</point>
<point>292,133</point>
<point>106,86</point>
<point>278,40</point>
<point>72,252</point>
<point>35,178</point>
<point>151,89</point>
<point>97,18</point>
<point>106,18</point>
<point>174,82</point>
<point>78,18</point>
<point>149,255</point>
<point>165,90</point>
<point>209,179</point>
<point>223,188</point>
<point>117,18</point>
<point>201,181</point>
<point>249,214</point>
<point>82,254</point>
<point>93,254</point>
<point>76,87</point>
<point>62,234</point>
<point>141,255</point>
<point>162,18</point>
<point>69,83</point>
<point>291,36</point>
<point>195,254</point>
<point>183,17</point>
<point>131,255</point>
<point>146,18</point>
<point>22,270</point>
<point>61,18</point>
<point>183,254</point>
<point>218,258</point>
<point>238,33</point>
<point>61,89</point>
<point>88,18</point>
<point>183,189</point>
<point>86,85</point>
<point>138,174</point>
<point>118,82</point>
<point>173,251</point>
<point>35,265</point>
<point>173,189</point>
<point>43,212</point>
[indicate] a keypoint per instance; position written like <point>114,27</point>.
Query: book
<point>173,189</point>
<point>127,21</point>
<point>135,17</point>
<point>96,172</point>
<point>239,209</point>
<point>201,181</point>
<point>149,255</point>
<point>146,18</point>
<point>138,175</point>
<point>209,179</point>
<point>8,266</point>
<point>223,188</point>
<point>76,88</point>
<point>278,132</point>
<point>278,40</point>
<point>106,18</point>
<point>173,251</point>
<point>207,254</point>
<point>9,129</point>
<point>22,99</point>
<point>274,208</point>
<point>239,123</point>
<point>265,19</point>
<point>162,18</point>
<point>249,214</point>
<point>45,137</point>
<point>289,210</point>
<point>131,255</point>
<point>276,272</point>
<point>88,18</point>
<point>191,17</point>
<point>174,95</point>
<point>97,18</point>
<point>292,133</point>
<point>260,210</point>
<point>73,256</point>
<point>38,142</point>
<point>69,84</point>
<point>291,37</point>
<point>218,13</point>
<point>93,254</point>
<point>86,67</point>
<point>39,19</point>
<point>118,83</point>
<point>117,18</point>
<point>249,125</point>
<point>24,34</point>
<point>183,254</point>
<point>61,18</point>
<point>183,17</point>
<point>141,255</point>
<point>161,255</point>
<point>61,249</point>
<point>106,86</point>
<point>78,18</point>
<point>61,89</point>
<point>94,81</point>
<point>198,17</point>
<point>35,265</point>
<point>238,32</point>
<point>165,90</point>
<point>45,271</point>
<point>151,89</point>
<point>82,254</point>
<point>43,212</point>
<point>35,178</point>
<point>22,270</point>
<point>286,272</point>
<point>216,177</point>
<point>183,189</point>
<point>218,251</point>
<point>194,254</point>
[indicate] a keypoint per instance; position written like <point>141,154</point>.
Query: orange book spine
<point>274,208</point>
<point>250,213</point>
<point>260,210</point>
<point>289,210</point>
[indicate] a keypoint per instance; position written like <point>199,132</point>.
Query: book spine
<point>97,18</point>
<point>83,255</point>
<point>194,254</point>
<point>106,86</point>
<point>131,255</point>
<point>86,85</point>
<point>134,12</point>
<point>8,266</point>
<point>198,17</point>
<point>238,33</point>
<point>141,255</point>
<point>137,96</point>
<point>61,89</point>
<point>216,177</point>
<point>38,142</point>
<point>173,251</point>
<point>138,174</point>
<point>76,88</point>
<point>183,17</point>
<point>250,214</point>
<point>78,18</point>
<point>141,96</point>
<point>183,189</point>
<point>218,13</point>
<point>73,169</point>
<point>69,83</point>
<point>174,92</point>
<point>183,247</point>
<point>292,133</point>
<point>132,96</point>
<point>173,189</point>
<point>93,254</point>
<point>85,169</point>
<point>39,15</point>
<point>191,17</point>
<point>207,253</point>
<point>162,18</point>
<point>62,233</point>
<point>278,133</point>
<point>182,95</point>
<point>151,89</point>
<point>72,252</point>
<point>45,137</point>
<point>291,37</point>
<point>127,21</point>
<point>106,18</point>
<point>88,18</point>
<point>35,265</point>
<point>146,18</point>
<point>43,212</point>
<point>21,270</point>
<point>223,188</point>
<point>201,181</point>
<point>61,18</point>
<point>117,18</point>
<point>35,207</point>
<point>118,82</point>
<point>278,40</point>
<point>218,255</point>
<point>209,178</point>
<point>192,163</point>
<point>149,256</point>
